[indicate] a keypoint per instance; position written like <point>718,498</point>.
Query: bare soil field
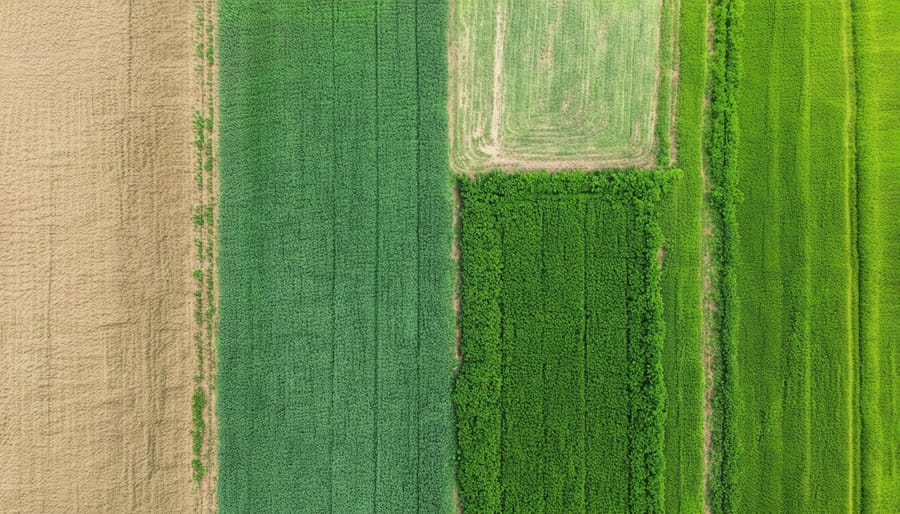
<point>96,189</point>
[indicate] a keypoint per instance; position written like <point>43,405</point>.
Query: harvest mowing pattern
<point>335,350</point>
<point>559,397</point>
<point>554,85</point>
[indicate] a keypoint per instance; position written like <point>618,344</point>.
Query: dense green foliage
<point>878,185</point>
<point>560,397</point>
<point>797,340</point>
<point>335,348</point>
<point>198,406</point>
<point>680,284</point>
<point>723,198</point>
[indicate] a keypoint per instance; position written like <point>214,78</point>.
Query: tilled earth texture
<point>96,190</point>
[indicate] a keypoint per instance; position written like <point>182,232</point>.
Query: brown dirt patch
<point>95,285</point>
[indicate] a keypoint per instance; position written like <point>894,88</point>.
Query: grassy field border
<point>681,280</point>
<point>204,219</point>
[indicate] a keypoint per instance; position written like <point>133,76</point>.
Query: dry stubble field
<point>96,185</point>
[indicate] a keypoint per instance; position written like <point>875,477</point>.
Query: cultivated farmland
<point>335,354</point>
<point>878,167</point>
<point>797,354</point>
<point>555,84</point>
<point>560,400</point>
<point>666,231</point>
<point>96,256</point>
<point>681,284</point>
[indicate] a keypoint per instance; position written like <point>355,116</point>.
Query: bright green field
<point>798,353</point>
<point>681,284</point>
<point>878,168</point>
<point>559,399</point>
<point>555,85</point>
<point>335,348</point>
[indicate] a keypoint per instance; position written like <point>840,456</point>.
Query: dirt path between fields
<point>96,189</point>
<point>708,272</point>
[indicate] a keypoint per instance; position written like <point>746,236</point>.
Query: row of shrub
<point>724,196</point>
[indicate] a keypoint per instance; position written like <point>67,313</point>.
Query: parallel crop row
<point>336,335</point>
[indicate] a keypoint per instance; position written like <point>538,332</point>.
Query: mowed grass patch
<point>335,349</point>
<point>559,397</point>
<point>555,85</point>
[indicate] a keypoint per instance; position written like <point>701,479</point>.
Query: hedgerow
<point>724,196</point>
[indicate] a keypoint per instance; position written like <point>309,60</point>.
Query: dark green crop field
<point>559,399</point>
<point>335,348</point>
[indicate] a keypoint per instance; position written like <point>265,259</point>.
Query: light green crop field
<point>681,283</point>
<point>555,85</point>
<point>797,351</point>
<point>878,168</point>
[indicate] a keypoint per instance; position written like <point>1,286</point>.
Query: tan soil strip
<point>674,74</point>
<point>95,306</point>
<point>455,254</point>
<point>657,81</point>
<point>206,199</point>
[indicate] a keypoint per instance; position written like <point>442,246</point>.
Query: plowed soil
<point>95,255</point>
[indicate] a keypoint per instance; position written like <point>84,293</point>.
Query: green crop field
<point>335,347</point>
<point>878,187</point>
<point>798,348</point>
<point>556,85</point>
<point>720,338</point>
<point>812,361</point>
<point>681,283</point>
<point>560,400</point>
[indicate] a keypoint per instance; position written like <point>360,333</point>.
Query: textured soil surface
<point>96,190</point>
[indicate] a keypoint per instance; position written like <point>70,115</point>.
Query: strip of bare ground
<point>708,273</point>
<point>95,271</point>
<point>203,462</point>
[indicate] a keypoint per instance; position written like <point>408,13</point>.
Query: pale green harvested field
<point>554,85</point>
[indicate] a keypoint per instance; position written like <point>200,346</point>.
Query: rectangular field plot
<point>559,398</point>
<point>553,84</point>
<point>336,339</point>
